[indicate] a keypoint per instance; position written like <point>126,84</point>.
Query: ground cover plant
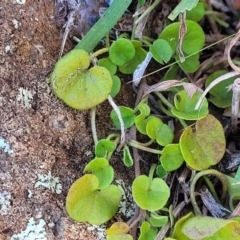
<point>189,191</point>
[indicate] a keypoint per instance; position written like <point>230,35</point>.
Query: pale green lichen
<point>33,231</point>
<point>50,182</point>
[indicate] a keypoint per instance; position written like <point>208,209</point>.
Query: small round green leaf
<point>147,232</point>
<point>131,65</point>
<point>116,86</point>
<point>171,157</point>
<point>78,87</point>
<point>185,106</point>
<point>108,64</point>
<point>197,13</point>
<point>191,63</point>
<point>160,171</point>
<point>193,40</point>
<point>150,195</point>
<point>100,167</point>
<point>103,147</point>
<point>127,116</point>
<point>86,203</point>
<point>160,131</point>
<point>121,51</point>
<point>158,220</point>
<point>205,146</point>
<point>161,51</point>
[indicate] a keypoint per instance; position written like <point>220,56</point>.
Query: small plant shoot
<point>185,106</point>
<point>100,167</point>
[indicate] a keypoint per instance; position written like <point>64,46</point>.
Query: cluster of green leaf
<point>83,83</point>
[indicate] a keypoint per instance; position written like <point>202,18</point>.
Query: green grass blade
<point>103,25</point>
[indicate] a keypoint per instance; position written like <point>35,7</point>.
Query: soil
<point>45,136</point>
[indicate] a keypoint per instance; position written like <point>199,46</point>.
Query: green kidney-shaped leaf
<point>108,64</point>
<point>158,220</point>
<point>86,203</point>
<point>193,40</point>
<point>221,95</point>
<point>116,87</point>
<point>78,87</point>
<point>191,63</point>
<point>171,157</point>
<point>205,146</point>
<point>150,195</point>
<point>127,116</point>
<point>158,130</point>
<point>160,171</point>
<point>121,51</point>
<point>197,13</point>
<point>185,106</point>
<point>103,147</point>
<point>206,228</point>
<point>161,51</point>
<point>147,232</point>
<point>130,66</point>
<point>118,231</point>
<point>100,167</point>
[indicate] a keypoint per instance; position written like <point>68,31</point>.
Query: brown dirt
<point>48,136</point>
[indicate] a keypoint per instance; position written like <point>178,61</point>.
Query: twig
<point>116,108</point>
<point>212,84</point>
<point>93,125</point>
<point>235,103</point>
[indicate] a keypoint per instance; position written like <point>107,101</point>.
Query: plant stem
<point>150,8</point>
<point>164,110</point>
<point>148,143</point>
<point>138,145</point>
<point>164,100</point>
<point>134,25</point>
<point>162,233</point>
<point>99,52</point>
<point>93,125</point>
<point>151,172</point>
<point>113,135</point>
<point>216,173</point>
<point>211,188</point>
